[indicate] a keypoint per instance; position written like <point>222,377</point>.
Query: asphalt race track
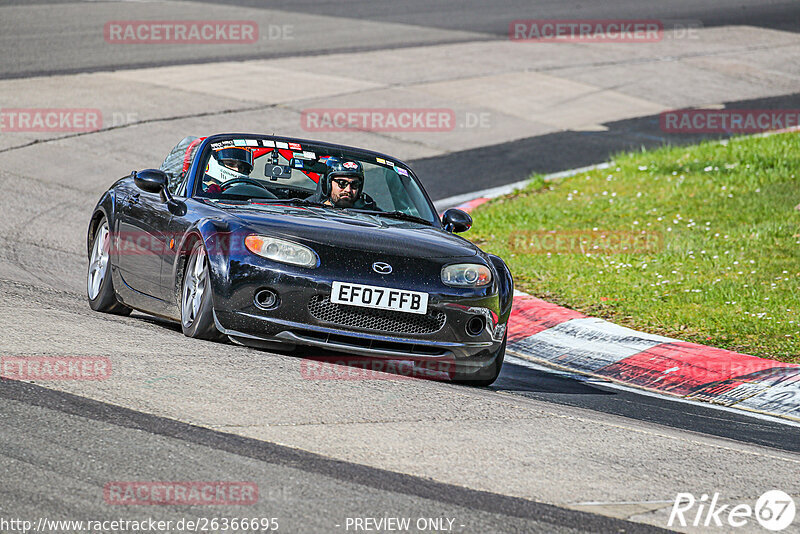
<point>539,451</point>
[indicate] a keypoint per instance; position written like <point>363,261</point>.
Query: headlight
<point>281,250</point>
<point>466,275</point>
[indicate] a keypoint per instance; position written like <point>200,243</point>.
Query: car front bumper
<point>372,333</point>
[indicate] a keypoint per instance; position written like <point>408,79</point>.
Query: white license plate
<point>384,298</point>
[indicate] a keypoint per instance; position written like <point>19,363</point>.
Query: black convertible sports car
<point>279,242</point>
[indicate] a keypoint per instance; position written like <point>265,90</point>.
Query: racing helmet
<point>339,167</point>
<point>219,166</point>
<point>236,157</point>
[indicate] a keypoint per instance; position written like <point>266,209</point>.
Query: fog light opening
<point>266,299</point>
<point>476,325</point>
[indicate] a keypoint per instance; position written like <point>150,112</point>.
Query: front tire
<point>197,308</point>
<point>487,375</point>
<point>99,287</point>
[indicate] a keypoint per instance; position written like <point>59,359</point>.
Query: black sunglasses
<point>342,183</point>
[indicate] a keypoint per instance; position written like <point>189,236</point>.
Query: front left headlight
<point>281,250</point>
<point>466,275</point>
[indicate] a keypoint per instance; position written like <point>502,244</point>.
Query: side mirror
<point>151,180</point>
<point>157,181</point>
<point>455,221</point>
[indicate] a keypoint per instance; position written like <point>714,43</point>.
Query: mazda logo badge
<point>381,267</point>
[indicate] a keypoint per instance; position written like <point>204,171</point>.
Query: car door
<point>143,241</point>
<point>175,229</point>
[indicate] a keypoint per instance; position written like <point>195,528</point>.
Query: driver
<point>342,185</point>
<point>227,164</point>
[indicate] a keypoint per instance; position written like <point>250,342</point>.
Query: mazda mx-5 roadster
<point>275,242</point>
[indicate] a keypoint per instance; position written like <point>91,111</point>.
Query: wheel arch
<point>94,224</point>
<point>505,284</point>
<point>104,209</point>
<point>208,232</point>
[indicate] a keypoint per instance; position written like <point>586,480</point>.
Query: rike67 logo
<point>774,510</point>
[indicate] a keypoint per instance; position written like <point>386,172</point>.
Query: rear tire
<point>99,287</point>
<point>485,376</point>
<point>197,308</point>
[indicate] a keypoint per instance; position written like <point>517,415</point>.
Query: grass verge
<point>700,243</point>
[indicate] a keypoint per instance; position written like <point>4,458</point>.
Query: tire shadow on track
<point>322,364</point>
<point>520,379</point>
<point>157,321</point>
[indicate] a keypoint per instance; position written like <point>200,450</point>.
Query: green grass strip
<point>700,243</point>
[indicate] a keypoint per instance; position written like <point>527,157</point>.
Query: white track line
<point>500,190</point>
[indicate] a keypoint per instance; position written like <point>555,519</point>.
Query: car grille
<point>322,309</point>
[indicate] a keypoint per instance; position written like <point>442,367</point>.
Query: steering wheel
<point>369,202</point>
<point>250,181</point>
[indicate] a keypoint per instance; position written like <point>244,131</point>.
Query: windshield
<point>263,170</point>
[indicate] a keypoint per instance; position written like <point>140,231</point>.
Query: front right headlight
<point>466,275</point>
<point>281,250</point>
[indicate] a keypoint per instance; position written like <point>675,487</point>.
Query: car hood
<point>351,231</point>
